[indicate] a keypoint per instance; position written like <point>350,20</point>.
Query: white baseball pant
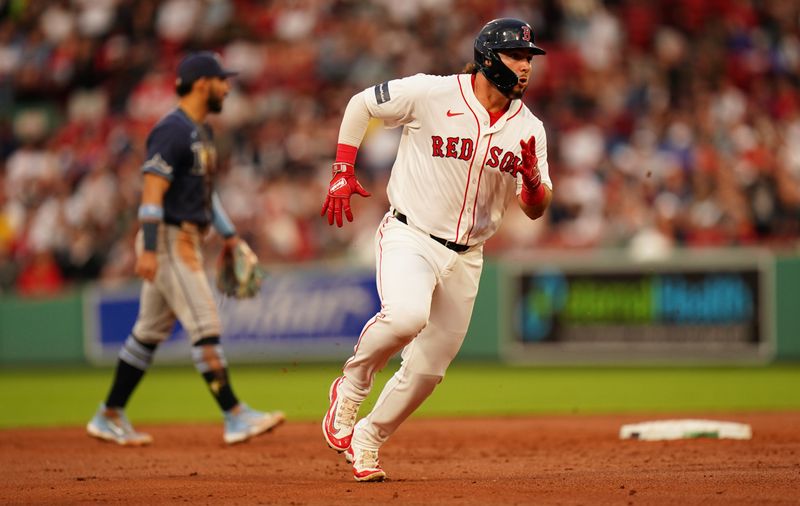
<point>180,290</point>
<point>427,293</point>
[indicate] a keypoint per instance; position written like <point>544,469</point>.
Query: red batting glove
<point>343,184</point>
<point>532,193</point>
<point>529,167</point>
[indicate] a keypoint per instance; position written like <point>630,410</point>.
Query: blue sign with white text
<point>298,315</point>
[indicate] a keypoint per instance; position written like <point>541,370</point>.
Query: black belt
<point>458,248</point>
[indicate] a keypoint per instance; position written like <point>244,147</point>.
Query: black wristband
<point>150,231</point>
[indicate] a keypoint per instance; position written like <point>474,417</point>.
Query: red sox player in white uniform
<point>469,148</point>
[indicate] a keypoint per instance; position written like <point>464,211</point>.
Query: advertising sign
<point>659,314</point>
<point>308,315</point>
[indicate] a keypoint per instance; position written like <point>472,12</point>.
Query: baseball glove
<point>238,272</point>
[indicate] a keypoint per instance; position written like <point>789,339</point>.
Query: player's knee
<point>433,367</point>
<point>426,382</point>
<point>406,320</point>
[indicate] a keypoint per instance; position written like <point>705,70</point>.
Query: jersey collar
<point>465,82</point>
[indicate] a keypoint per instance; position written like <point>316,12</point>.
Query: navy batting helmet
<point>499,34</point>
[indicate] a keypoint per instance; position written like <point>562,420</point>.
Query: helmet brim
<point>518,44</point>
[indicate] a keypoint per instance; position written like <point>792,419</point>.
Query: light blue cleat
<point>116,428</point>
<point>248,423</point>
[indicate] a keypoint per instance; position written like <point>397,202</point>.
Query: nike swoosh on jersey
<point>451,114</point>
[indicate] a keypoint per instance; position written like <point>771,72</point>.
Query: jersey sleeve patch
<point>382,93</point>
<point>157,165</point>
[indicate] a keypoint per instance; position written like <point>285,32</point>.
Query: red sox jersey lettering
<point>507,162</point>
<point>454,147</point>
<point>452,150</point>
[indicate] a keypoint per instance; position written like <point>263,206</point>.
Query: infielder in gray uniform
<point>178,205</point>
<point>469,149</point>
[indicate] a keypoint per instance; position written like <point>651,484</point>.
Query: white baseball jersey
<point>447,178</point>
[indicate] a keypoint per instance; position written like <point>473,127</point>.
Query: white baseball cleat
<point>366,466</point>
<point>337,426</point>
<point>116,428</point>
<point>248,423</point>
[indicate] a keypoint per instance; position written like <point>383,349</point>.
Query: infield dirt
<point>565,460</point>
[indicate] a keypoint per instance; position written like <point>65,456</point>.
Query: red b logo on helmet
<point>526,33</point>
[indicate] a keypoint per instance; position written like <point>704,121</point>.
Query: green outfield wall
<point>47,331</point>
<point>60,330</point>
<point>787,307</point>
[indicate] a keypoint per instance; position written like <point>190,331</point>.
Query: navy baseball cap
<point>201,64</point>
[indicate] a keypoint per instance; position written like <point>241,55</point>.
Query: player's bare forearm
<point>535,211</point>
<point>151,213</point>
<point>153,189</point>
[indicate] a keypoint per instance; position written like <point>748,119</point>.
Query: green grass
<point>68,396</point>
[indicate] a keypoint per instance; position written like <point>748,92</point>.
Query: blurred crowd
<point>671,123</point>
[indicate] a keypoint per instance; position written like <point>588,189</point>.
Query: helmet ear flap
<point>498,73</point>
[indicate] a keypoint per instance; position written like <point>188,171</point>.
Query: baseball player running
<point>178,204</point>
<point>469,148</point>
